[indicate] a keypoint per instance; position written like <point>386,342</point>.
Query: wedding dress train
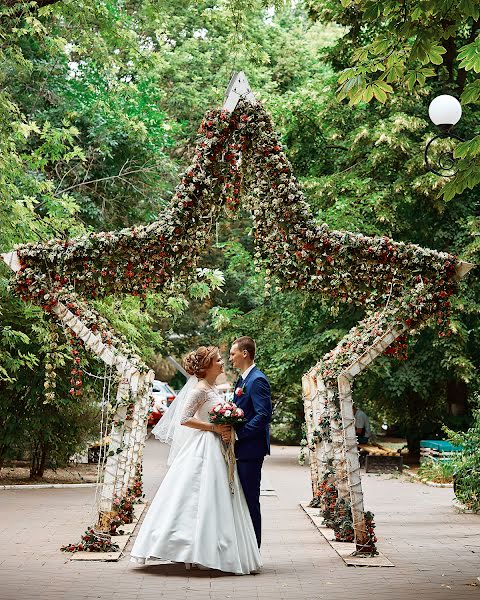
<point>194,518</point>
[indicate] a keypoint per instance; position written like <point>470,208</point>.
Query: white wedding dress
<point>194,518</point>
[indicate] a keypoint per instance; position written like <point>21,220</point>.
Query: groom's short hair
<point>246,343</point>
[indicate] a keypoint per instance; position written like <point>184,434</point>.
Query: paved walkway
<point>436,551</point>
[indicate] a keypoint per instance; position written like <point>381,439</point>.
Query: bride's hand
<point>224,431</point>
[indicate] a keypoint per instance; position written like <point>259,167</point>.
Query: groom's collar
<point>247,371</point>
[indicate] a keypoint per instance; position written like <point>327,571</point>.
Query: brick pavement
<point>435,550</point>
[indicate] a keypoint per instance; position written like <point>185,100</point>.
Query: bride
<point>194,518</point>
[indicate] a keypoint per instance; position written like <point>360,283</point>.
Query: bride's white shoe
<point>189,566</point>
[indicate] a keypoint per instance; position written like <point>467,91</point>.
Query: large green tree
<point>394,48</point>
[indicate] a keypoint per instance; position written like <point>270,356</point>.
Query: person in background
<point>362,426</point>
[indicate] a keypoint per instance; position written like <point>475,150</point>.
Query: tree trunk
<point>34,460</point>
<point>413,444</point>
<point>43,460</point>
<point>457,397</point>
<point>450,56</point>
<point>38,459</point>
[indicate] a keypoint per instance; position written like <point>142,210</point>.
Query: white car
<point>162,396</point>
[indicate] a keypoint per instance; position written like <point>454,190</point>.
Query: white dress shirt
<point>247,371</point>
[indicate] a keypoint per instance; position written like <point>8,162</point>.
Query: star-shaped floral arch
<point>240,160</point>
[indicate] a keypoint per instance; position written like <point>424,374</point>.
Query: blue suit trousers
<point>250,474</point>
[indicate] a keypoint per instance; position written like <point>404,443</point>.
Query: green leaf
<point>471,93</point>
<point>434,54</point>
<point>411,80</point>
<point>469,8</point>
<point>384,86</point>
<point>199,290</point>
<point>372,11</point>
<point>470,56</point>
<point>356,96</point>
<point>368,93</point>
<point>469,149</point>
<point>380,46</point>
<point>394,73</point>
<point>379,93</point>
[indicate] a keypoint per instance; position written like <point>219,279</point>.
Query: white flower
<point>227,413</point>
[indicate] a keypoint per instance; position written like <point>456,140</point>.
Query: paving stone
<point>434,548</point>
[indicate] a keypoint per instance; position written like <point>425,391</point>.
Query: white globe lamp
<point>445,111</point>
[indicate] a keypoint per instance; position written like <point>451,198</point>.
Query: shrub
<point>467,464</point>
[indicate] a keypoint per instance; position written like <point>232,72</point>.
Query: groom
<point>252,395</point>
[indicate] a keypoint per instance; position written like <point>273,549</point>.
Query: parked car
<point>162,397</point>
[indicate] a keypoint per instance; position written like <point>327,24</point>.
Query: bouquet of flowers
<point>228,413</point>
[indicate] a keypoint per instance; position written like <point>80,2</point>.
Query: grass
<point>436,471</point>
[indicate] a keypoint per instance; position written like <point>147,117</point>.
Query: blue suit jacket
<point>253,437</point>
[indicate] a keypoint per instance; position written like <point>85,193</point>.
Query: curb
<point>461,508</point>
<point>426,482</point>
<point>44,486</point>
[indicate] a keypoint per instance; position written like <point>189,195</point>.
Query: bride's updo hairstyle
<point>198,361</point>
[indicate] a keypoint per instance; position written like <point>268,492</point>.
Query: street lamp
<point>444,111</point>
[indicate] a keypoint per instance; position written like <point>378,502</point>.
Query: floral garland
<point>123,514</point>
<point>136,491</point>
<point>301,254</point>
<point>399,348</point>
<point>323,432</point>
<point>344,532</point>
<point>342,265</point>
<point>93,541</point>
<point>76,381</point>
<point>370,547</point>
<point>342,521</point>
<point>337,515</point>
<point>101,327</point>
<point>123,508</point>
<point>422,304</point>
<point>52,359</point>
<point>144,258</point>
<point>325,499</point>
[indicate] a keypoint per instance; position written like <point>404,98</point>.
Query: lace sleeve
<point>193,403</point>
